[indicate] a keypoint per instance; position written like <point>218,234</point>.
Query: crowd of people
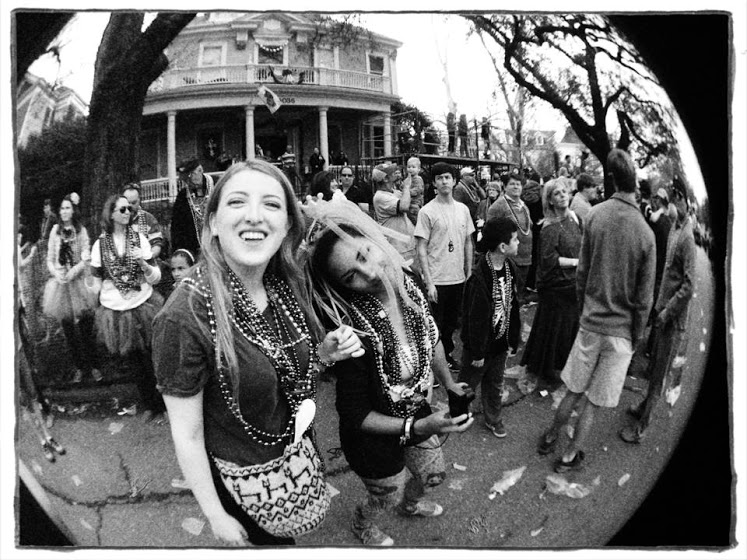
<point>231,321</point>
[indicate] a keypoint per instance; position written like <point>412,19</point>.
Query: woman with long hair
<point>65,295</point>
<point>388,431</point>
<point>237,352</point>
<point>123,275</point>
<point>325,184</point>
<point>556,319</point>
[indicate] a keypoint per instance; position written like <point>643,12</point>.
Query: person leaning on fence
<point>237,349</point>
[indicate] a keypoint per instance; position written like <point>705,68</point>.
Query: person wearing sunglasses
<point>123,273</point>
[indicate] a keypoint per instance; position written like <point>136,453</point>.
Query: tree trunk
<point>128,61</point>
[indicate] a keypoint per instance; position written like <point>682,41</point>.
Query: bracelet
<point>319,358</point>
<point>406,430</point>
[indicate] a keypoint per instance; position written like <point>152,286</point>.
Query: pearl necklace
<point>404,398</point>
<point>276,343</point>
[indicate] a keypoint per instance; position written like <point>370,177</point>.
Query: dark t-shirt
<point>184,361</point>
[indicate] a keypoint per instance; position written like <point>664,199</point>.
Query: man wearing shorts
<point>615,285</point>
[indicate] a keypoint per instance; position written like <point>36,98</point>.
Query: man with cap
<point>444,245</point>
<point>390,209</point>
<point>669,313</point>
<point>468,192</point>
<point>587,193</point>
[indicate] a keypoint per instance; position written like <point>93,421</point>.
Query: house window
<point>268,54</point>
<point>373,140</point>
<point>375,64</point>
<point>212,55</point>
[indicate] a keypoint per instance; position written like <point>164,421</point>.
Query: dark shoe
<point>48,453</point>
<point>631,434</point>
<point>56,446</point>
<point>545,447</point>
<point>498,430</point>
<point>575,464</point>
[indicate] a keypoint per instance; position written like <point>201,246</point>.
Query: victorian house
<point>243,85</point>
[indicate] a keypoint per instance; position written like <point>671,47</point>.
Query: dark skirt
<point>124,332</point>
<point>553,332</point>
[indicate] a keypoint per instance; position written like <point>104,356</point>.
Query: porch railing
<point>257,73</point>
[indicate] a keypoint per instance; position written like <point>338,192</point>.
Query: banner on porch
<point>269,98</point>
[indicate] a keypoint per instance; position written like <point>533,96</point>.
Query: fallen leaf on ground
<point>193,525</point>
<point>536,531</point>
<point>86,524</point>
<point>673,394</point>
<point>332,490</point>
<point>459,467</point>
<point>130,411</point>
<point>623,479</point>
<point>604,448</point>
<point>558,484</point>
<point>76,479</point>
<point>705,330</point>
<point>507,481</point>
<point>544,393</point>
<point>457,484</point>
<point>115,427</point>
<point>702,346</point>
<point>679,361</point>
<point>179,483</point>
<point>570,430</point>
<point>36,467</point>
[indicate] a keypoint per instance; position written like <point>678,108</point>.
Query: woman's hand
<point>340,344</point>
<point>478,363</point>
<point>441,423</point>
<point>137,254</point>
<point>227,529</point>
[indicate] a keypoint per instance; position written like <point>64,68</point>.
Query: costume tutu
<point>68,301</point>
<point>128,331</point>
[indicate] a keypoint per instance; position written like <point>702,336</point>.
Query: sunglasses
<point>125,209</point>
<point>346,175</point>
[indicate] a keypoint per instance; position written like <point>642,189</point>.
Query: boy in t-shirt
<point>417,188</point>
<point>490,318</point>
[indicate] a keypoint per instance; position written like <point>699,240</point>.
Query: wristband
<point>406,430</point>
<point>319,358</point>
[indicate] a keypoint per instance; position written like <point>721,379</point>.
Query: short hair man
<point>669,313</point>
<point>288,161</point>
<point>468,192</point>
<point>444,244</point>
<point>587,193</point>
<point>49,219</point>
<point>615,283</point>
<point>143,221</point>
<point>316,162</point>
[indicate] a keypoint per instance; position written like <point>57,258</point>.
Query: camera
<point>459,404</point>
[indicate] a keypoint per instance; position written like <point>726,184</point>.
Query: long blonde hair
<point>283,264</point>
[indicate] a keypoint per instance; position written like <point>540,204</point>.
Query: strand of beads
<point>123,270</point>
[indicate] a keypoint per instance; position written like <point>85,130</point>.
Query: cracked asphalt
<point>115,485</point>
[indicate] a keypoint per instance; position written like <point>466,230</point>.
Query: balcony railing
<point>253,73</point>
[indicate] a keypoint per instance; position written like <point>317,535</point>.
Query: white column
<point>249,113</point>
<point>387,134</point>
<point>393,74</point>
<point>323,135</point>
<point>171,152</point>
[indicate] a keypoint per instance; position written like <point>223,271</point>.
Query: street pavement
<point>119,484</point>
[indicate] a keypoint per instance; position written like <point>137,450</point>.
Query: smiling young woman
<point>237,351</point>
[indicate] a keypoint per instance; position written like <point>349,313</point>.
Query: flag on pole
<point>269,97</point>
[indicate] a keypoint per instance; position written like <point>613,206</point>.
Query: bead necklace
<point>142,224</point>
<point>404,398</point>
<point>124,271</point>
<point>515,218</point>
<point>196,207</point>
<point>279,349</point>
<point>502,296</point>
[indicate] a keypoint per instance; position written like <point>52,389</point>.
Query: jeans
<point>490,379</point>
<point>446,312</point>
